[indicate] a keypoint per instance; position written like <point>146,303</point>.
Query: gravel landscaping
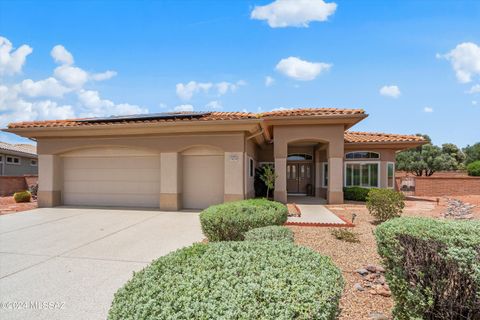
<point>8,205</point>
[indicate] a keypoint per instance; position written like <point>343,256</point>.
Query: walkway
<point>314,213</point>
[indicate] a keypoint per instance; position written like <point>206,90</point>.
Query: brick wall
<point>11,184</point>
<point>437,186</point>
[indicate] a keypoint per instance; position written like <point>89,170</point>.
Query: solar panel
<point>161,115</point>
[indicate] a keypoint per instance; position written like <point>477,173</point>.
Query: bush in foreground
<point>22,196</point>
<point>355,193</point>
<point>233,280</point>
<point>473,169</point>
<point>433,267</point>
<point>274,233</point>
<point>229,221</point>
<point>345,235</point>
<point>385,204</point>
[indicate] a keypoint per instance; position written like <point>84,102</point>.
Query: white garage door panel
<point>112,181</point>
<point>203,181</point>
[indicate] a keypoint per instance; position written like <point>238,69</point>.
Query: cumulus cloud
<point>72,76</point>
<point>187,90</point>
<point>293,13</point>
<point>103,75</point>
<point>183,108</point>
<point>474,102</point>
<point>299,69</point>
<point>12,61</point>
<point>214,105</point>
<point>465,61</point>
<point>428,109</point>
<point>474,89</point>
<point>61,55</point>
<point>269,81</point>
<point>49,87</point>
<point>392,91</point>
<point>96,106</point>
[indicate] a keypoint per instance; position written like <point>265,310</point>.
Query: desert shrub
<point>229,221</point>
<point>473,169</point>
<point>233,280</point>
<point>385,204</point>
<point>276,233</point>
<point>345,235</point>
<point>433,267</point>
<point>22,196</point>
<point>355,193</point>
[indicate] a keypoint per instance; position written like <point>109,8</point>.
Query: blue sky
<point>116,57</point>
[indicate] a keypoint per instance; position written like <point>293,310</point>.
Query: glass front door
<point>299,177</point>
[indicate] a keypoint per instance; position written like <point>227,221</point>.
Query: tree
<point>425,160</point>
<point>472,153</point>
<point>268,177</point>
<point>455,152</point>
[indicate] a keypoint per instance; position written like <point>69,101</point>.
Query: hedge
<point>229,221</point>
<point>355,193</point>
<point>22,196</point>
<point>233,280</point>
<point>473,169</point>
<point>385,204</point>
<point>274,233</point>
<point>433,267</point>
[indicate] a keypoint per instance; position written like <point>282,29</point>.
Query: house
<point>192,160</point>
<point>18,159</point>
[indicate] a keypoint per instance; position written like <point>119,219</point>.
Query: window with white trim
<point>325,174</point>
<point>33,162</point>
<point>364,174</point>
<point>390,174</point>
<point>13,160</point>
<point>362,155</point>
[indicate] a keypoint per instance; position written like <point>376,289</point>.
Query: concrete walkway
<point>74,259</point>
<point>313,211</point>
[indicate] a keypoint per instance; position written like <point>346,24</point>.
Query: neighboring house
<point>193,160</point>
<point>18,159</point>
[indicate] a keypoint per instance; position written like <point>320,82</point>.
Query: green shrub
<point>473,169</point>
<point>385,204</point>
<point>433,267</point>
<point>22,196</point>
<point>269,233</point>
<point>233,280</point>
<point>355,193</point>
<point>345,235</point>
<point>229,221</point>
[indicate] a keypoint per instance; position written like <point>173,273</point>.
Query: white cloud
<point>465,60</point>
<point>224,86</point>
<point>12,61</point>
<point>49,87</point>
<point>474,89</point>
<point>214,105</point>
<point>103,75</point>
<point>186,91</point>
<point>298,69</point>
<point>390,91</point>
<point>61,55</point>
<point>293,13</point>
<point>281,109</point>
<point>474,102</point>
<point>269,81</point>
<point>95,106</point>
<point>72,76</point>
<point>428,109</point>
<point>183,108</point>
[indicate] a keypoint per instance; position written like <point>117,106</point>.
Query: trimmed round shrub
<point>473,169</point>
<point>432,267</point>
<point>22,196</point>
<point>355,193</point>
<point>385,204</point>
<point>233,280</point>
<point>275,233</point>
<point>229,221</point>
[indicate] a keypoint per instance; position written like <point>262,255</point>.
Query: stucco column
<point>170,181</point>
<point>280,150</point>
<point>318,173</point>
<point>234,176</point>
<point>335,172</point>
<point>50,180</point>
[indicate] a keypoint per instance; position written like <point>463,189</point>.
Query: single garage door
<point>203,178</point>
<point>111,177</point>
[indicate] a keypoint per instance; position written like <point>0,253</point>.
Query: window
<point>359,155</point>
<point>251,167</point>
<point>299,156</point>
<point>390,175</point>
<point>361,174</point>
<point>33,162</point>
<point>325,174</point>
<point>1,159</point>
<point>13,160</point>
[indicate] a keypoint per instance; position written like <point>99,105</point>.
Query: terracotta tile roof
<point>21,147</point>
<point>312,112</point>
<point>374,137</point>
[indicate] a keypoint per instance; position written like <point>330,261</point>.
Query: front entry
<point>299,177</point>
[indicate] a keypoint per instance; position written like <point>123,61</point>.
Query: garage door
<point>203,179</point>
<point>111,177</point>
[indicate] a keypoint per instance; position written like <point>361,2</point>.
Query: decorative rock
<point>380,269</point>
<point>371,268</point>
<point>384,292</point>
<point>362,271</point>
<point>358,287</point>
<point>378,316</point>
<point>371,277</point>
<point>380,280</point>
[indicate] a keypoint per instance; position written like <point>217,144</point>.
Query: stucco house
<point>18,159</point>
<point>192,160</point>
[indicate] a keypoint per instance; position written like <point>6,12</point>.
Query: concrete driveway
<point>66,263</point>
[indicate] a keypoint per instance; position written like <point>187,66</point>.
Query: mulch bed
<point>8,205</point>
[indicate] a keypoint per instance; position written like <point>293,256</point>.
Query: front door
<point>299,176</point>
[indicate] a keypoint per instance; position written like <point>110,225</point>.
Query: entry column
<point>50,180</point>
<point>280,154</point>
<point>335,172</point>
<point>170,181</point>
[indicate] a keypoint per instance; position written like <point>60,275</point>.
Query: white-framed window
<point>390,175</point>
<point>299,156</point>
<point>33,162</point>
<point>12,160</point>
<point>324,174</point>
<point>362,174</point>
<point>362,155</point>
<point>251,167</point>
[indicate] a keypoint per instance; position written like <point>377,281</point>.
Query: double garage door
<point>123,177</point>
